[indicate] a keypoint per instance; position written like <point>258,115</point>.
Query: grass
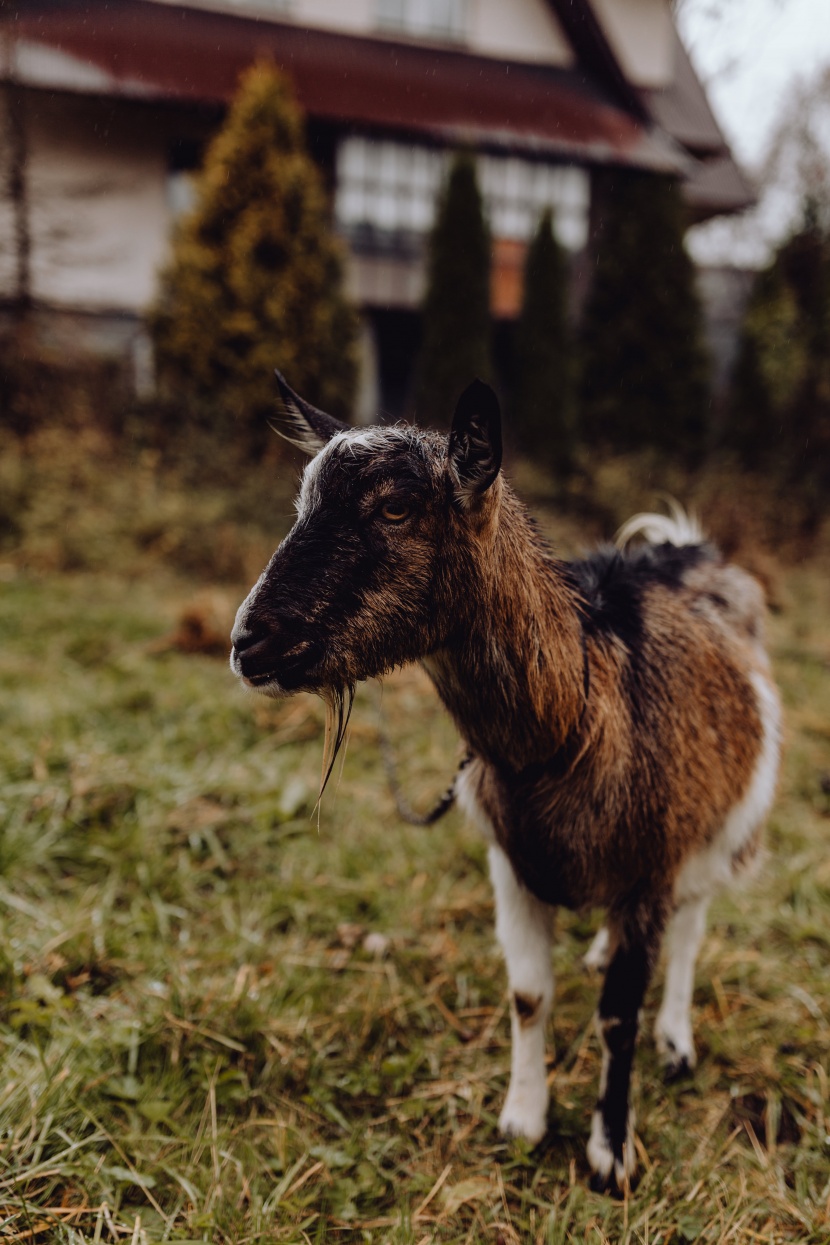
<point>222,1021</point>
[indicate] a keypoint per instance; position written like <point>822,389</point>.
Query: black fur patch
<point>620,1002</point>
<point>612,583</point>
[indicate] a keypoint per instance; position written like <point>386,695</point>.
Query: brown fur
<point>644,784</point>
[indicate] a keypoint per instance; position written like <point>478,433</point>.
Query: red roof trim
<point>183,53</point>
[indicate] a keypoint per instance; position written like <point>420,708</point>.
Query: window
<point>386,188</point>
<point>276,7</point>
<point>387,191</point>
<point>184,160</point>
<point>518,191</point>
<point>435,19</point>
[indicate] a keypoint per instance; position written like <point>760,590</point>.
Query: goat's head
<point>367,578</point>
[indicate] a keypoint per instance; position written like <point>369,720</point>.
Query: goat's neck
<point>512,673</point>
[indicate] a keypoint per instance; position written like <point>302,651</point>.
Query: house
<point>107,106</point>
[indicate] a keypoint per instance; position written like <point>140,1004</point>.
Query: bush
<point>769,368</point>
<point>779,414</point>
<point>254,282</point>
<point>456,309</point>
<point>644,371</point>
<point>543,407</point>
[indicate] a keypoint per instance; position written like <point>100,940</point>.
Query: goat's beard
<point>338,702</point>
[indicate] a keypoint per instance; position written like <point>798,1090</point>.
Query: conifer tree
<point>254,280</point>
<point>543,408</point>
<point>456,308</point>
<point>779,413</point>
<point>769,369</point>
<point>644,370</point>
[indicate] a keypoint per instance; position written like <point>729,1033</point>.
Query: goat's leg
<point>524,928</point>
<point>673,1028</point>
<point>634,945</point>
<point>596,957</point>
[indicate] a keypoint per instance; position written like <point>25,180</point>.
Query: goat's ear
<point>307,427</point>
<point>475,441</point>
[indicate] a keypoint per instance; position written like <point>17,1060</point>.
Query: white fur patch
<point>524,928</point>
<point>713,868</point>
<point>709,871</point>
<point>677,528</point>
<point>596,957</point>
<point>467,801</point>
<point>374,438</point>
<point>309,495</point>
<point>601,1156</point>
<point>673,1027</point>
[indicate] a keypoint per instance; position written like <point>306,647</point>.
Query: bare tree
<point>716,26</point>
<point>796,171</point>
<point>792,178</point>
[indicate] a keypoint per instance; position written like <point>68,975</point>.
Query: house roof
<point>682,109</point>
<point>713,183</point>
<point>179,51</point>
<point>189,53</point>
<point>595,54</point>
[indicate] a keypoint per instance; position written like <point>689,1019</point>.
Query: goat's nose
<point>243,638</point>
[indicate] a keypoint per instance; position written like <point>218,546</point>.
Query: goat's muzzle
<point>274,657</point>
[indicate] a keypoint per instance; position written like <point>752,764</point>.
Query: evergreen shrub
<point>543,405</point>
<point>254,281</point>
<point>456,309</point>
<point>644,369</point>
<point>779,413</point>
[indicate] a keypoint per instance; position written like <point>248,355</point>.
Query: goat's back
<point>681,719</point>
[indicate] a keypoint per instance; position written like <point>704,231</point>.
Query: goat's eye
<point>395,511</point>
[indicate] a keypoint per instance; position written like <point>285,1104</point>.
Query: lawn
<point>228,1017</point>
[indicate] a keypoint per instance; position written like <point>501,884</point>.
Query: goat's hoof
<point>677,1054</point>
<point>524,1119</point>
<point>615,1175</point>
<point>679,1069</point>
<point>612,1172</point>
<point>615,1184</point>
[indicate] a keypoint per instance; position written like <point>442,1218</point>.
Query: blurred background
<point>222,1019</point>
<point>616,210</point>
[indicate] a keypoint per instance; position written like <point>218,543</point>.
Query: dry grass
<point>220,1023</point>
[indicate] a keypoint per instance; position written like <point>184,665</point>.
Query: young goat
<point>620,717</point>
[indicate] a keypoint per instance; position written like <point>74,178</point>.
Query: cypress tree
<point>644,371</point>
<point>456,308</point>
<point>543,407</point>
<point>254,279</point>
<point>805,261</point>
<point>769,369</point>
<point>779,413</point>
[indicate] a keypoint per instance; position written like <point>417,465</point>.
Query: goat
<point>620,717</point>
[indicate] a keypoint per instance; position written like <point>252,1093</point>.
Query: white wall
<point>99,218</point>
<point>519,30</point>
<point>525,31</point>
<point>8,215</point>
<point>352,16</point>
<point>641,33</point>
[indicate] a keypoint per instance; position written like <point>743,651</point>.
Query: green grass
<point>199,1043</point>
